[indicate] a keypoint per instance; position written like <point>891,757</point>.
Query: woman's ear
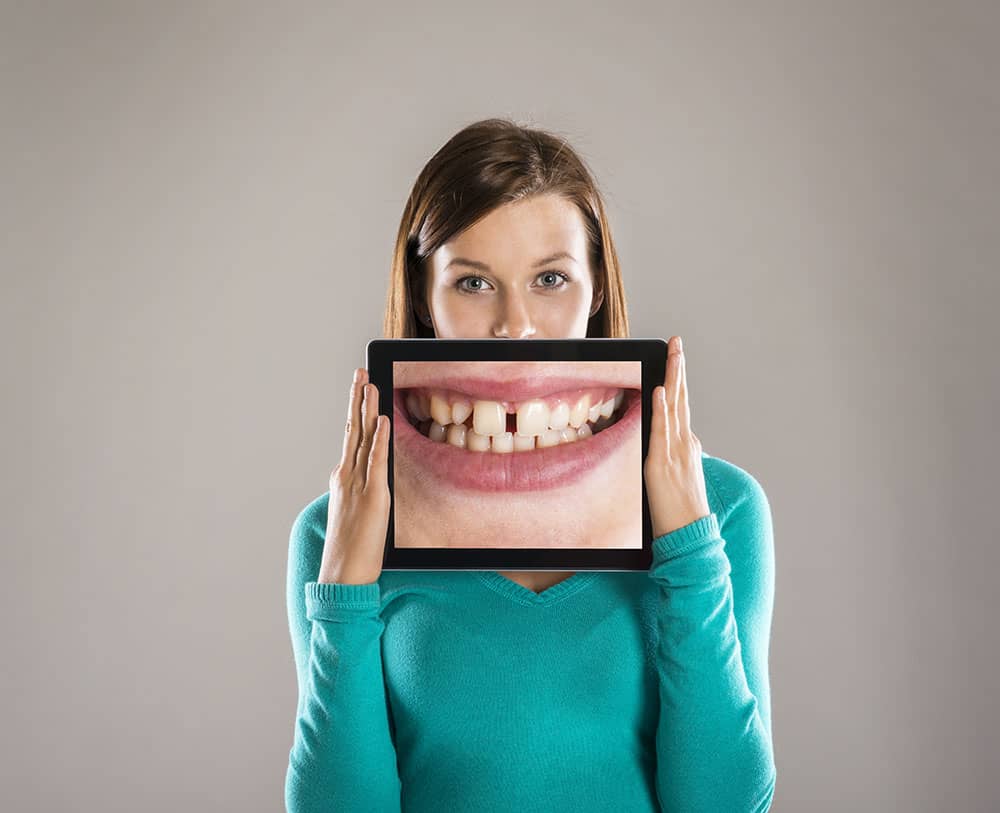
<point>421,312</point>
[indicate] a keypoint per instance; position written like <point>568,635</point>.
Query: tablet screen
<point>517,454</point>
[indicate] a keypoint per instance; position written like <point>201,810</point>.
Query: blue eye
<point>565,278</point>
<point>470,290</point>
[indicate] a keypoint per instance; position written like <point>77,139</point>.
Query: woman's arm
<point>716,594</point>
<point>343,757</point>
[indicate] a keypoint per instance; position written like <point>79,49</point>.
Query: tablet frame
<point>651,352</point>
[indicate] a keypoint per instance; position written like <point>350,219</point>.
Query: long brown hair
<point>483,166</point>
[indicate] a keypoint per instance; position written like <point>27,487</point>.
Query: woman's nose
<point>513,322</point>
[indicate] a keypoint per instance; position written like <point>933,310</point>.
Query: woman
<point>475,690</point>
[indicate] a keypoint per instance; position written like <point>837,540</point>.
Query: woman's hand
<point>358,512</point>
<point>675,480</point>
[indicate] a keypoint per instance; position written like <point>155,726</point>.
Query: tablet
<point>517,454</point>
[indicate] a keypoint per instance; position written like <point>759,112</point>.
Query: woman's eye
<point>553,279</point>
<point>478,287</point>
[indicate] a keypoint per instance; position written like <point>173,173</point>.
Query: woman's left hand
<point>675,480</point>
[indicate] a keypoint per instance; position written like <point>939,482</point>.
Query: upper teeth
<point>541,422</point>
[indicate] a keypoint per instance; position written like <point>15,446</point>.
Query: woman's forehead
<point>523,234</point>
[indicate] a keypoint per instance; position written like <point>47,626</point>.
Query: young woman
<point>489,691</point>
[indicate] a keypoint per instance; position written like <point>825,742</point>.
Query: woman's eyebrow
<point>484,267</point>
<point>557,256</point>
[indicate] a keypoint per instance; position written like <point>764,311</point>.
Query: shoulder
<point>732,490</point>
<point>742,507</point>
<point>307,538</point>
<point>311,518</point>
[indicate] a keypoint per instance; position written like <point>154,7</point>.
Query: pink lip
<point>533,470</point>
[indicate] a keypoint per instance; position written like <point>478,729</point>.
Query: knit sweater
<point>609,691</point>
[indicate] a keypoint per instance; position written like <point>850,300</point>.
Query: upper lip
<point>519,386</point>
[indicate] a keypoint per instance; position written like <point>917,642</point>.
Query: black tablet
<point>517,454</point>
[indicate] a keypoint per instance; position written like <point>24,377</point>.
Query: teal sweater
<point>610,691</point>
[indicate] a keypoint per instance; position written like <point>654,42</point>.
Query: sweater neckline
<point>524,595</point>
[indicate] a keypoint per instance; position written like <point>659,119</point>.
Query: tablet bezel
<point>652,353</point>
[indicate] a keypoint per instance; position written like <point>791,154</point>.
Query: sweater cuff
<point>686,538</point>
<point>332,601</point>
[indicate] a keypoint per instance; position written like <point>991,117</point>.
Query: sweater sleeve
<point>342,757</point>
<point>716,586</point>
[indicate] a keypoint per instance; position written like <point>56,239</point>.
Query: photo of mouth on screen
<point>518,454</point>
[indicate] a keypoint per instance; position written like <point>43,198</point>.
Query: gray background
<point>198,209</point>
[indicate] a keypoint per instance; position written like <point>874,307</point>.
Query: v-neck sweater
<point>466,691</point>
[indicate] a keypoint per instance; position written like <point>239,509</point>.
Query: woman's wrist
<point>344,575</point>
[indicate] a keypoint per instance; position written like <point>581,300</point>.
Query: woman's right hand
<point>358,511</point>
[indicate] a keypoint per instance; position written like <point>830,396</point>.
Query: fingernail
<point>680,344</point>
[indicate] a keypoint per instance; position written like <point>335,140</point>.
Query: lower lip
<point>534,470</point>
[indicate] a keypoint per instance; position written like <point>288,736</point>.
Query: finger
<point>353,426</point>
<point>377,468</point>
<point>684,409</point>
<point>659,443</point>
<point>369,411</point>
<point>673,384</point>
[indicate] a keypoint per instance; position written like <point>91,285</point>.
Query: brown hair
<point>483,166</point>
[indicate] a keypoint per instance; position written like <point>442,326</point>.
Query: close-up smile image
<point>484,451</point>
